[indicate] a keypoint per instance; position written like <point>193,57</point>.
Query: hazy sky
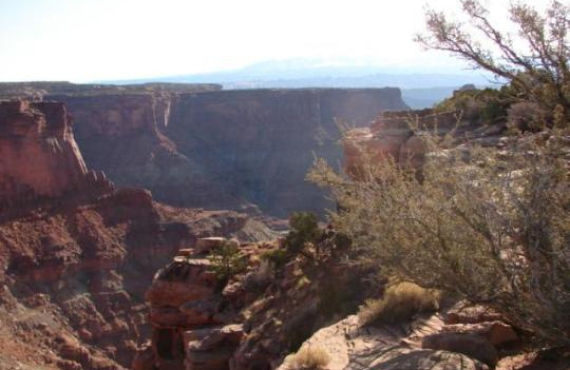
<point>85,40</point>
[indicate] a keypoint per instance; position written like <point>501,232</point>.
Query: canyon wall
<point>222,149</point>
<point>38,153</point>
<point>77,253</point>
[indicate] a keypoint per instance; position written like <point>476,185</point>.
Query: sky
<point>90,40</point>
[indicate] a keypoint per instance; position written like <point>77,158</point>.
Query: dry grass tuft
<point>308,358</point>
<point>400,302</point>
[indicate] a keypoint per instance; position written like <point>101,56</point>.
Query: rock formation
<point>38,154</point>
<point>398,135</point>
<point>191,318</point>
<point>221,149</point>
<point>76,253</point>
<point>249,322</point>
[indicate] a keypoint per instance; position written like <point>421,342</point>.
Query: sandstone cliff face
<point>38,153</point>
<point>124,135</point>
<point>76,254</point>
<point>222,149</point>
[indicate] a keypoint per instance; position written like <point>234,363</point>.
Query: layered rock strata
<point>196,322</point>
<point>76,253</point>
<point>39,157</point>
<point>222,149</point>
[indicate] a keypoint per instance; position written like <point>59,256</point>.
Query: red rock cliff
<point>76,254</point>
<point>38,153</point>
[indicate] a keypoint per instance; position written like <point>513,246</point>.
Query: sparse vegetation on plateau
<point>492,226</point>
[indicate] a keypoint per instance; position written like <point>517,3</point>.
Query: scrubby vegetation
<point>227,261</point>
<point>304,232</point>
<point>478,107</point>
<point>486,224</point>
<point>400,302</point>
<point>493,227</point>
<point>308,358</point>
<point>534,62</point>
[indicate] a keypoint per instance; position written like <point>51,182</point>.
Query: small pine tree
<point>227,261</point>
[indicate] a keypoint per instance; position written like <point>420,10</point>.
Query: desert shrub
<point>534,61</point>
<point>487,106</point>
<point>308,358</point>
<point>526,116</point>
<point>261,277</point>
<point>491,226</point>
<point>400,302</point>
<point>279,257</point>
<point>341,295</point>
<point>304,230</point>
<point>227,260</point>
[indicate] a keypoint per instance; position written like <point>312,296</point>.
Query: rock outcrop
<point>249,322</point>
<point>427,342</point>
<point>196,321</point>
<point>76,253</point>
<point>39,157</point>
<point>398,135</point>
<point>394,135</point>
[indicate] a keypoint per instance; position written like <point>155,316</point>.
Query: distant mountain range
<point>419,89</point>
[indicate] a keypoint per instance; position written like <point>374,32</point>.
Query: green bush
<point>526,116</point>
<point>227,261</point>
<point>304,230</point>
<point>279,257</point>
<point>479,107</point>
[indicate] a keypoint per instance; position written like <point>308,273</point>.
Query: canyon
<point>198,146</point>
<point>80,237</point>
<point>77,253</point>
<point>95,273</point>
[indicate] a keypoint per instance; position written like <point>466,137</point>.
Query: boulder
<point>181,282</point>
<point>401,358</point>
<point>465,314</point>
<point>211,348</point>
<point>472,345</point>
<point>497,332</point>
